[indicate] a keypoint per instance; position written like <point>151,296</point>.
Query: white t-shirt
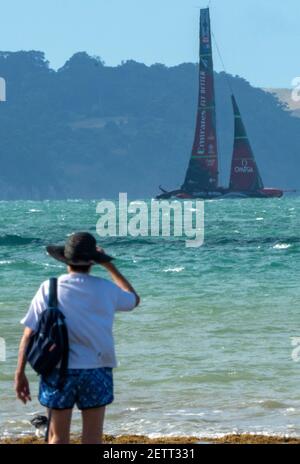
<point>89,304</point>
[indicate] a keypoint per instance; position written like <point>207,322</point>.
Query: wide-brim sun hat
<point>79,250</point>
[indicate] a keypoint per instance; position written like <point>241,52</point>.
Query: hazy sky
<point>259,39</point>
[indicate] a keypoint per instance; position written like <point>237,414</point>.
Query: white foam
<point>281,246</point>
<point>175,269</point>
<point>289,411</point>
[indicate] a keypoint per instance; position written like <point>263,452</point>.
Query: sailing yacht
<point>202,176</point>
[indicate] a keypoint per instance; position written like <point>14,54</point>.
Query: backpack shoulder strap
<point>65,358</point>
<point>53,300</point>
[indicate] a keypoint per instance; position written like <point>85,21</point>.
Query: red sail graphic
<point>202,173</point>
<point>245,175</point>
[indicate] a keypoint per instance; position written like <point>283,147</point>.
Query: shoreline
<point>242,439</point>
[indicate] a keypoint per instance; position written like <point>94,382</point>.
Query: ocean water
<point>209,351</point>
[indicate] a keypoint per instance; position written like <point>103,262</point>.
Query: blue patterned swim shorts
<point>87,388</point>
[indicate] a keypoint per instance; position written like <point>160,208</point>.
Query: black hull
<point>219,195</point>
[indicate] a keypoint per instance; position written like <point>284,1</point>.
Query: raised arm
<point>120,280</point>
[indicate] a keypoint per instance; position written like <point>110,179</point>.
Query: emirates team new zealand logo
<point>205,31</point>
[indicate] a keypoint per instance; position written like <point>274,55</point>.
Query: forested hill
<point>91,131</point>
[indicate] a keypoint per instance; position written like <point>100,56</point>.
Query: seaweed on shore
<point>141,439</point>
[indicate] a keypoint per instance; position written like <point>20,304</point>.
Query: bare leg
<point>92,425</point>
<point>60,424</point>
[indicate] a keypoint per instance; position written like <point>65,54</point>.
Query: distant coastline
<point>61,130</point>
<point>285,96</point>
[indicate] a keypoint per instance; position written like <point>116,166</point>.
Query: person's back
<point>89,304</point>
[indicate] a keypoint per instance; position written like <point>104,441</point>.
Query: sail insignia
<point>245,176</point>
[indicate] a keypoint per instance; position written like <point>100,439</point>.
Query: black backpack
<point>49,345</point>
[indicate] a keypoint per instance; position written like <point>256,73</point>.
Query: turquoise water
<point>209,350</point>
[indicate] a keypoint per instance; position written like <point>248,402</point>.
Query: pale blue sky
<point>259,39</point>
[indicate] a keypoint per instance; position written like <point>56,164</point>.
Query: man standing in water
<point>89,304</point>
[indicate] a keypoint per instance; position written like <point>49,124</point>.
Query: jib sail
<point>245,175</point>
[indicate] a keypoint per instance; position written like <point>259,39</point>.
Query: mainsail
<point>245,175</point>
<point>202,173</point>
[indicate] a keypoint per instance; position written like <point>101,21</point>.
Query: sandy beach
<point>141,439</point>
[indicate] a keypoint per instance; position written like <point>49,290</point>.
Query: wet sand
<point>139,439</point>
